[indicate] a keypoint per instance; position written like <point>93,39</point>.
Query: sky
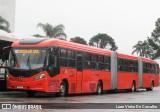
<point>126,21</point>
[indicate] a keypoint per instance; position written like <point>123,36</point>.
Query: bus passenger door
<point>79,73</point>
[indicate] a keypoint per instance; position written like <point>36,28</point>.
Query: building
<point>7,11</point>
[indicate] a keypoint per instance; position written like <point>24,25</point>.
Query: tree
<point>143,49</point>
<point>78,40</point>
<point>4,25</point>
<point>103,41</point>
<point>53,31</point>
<point>37,35</point>
<point>154,40</point>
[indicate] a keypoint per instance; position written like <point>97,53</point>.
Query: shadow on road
<point>21,94</point>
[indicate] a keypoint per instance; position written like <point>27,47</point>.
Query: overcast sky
<point>126,21</point>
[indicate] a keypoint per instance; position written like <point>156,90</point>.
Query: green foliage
<point>103,41</point>
<point>154,40</point>
<point>4,25</point>
<point>78,40</point>
<point>53,31</point>
<point>143,49</point>
<point>150,48</point>
<point>37,35</point>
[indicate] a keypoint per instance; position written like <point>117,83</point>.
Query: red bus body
<point>84,81</point>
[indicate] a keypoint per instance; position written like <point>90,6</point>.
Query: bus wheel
<point>99,88</point>
<point>133,89</point>
<point>31,93</point>
<point>63,89</point>
<point>151,88</point>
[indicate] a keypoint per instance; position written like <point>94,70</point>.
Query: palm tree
<point>4,25</point>
<point>53,31</point>
<point>143,49</point>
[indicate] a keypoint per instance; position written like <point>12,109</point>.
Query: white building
<point>7,11</point>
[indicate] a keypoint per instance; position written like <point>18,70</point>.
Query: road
<point>141,96</point>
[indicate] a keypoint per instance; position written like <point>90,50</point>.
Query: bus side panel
<point>125,80</point>
<point>85,82</point>
<point>71,76</point>
<point>156,81</point>
<point>106,78</point>
<point>147,80</point>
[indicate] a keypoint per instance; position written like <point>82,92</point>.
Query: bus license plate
<point>19,87</point>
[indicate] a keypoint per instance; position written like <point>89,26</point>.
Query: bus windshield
<point>27,58</point>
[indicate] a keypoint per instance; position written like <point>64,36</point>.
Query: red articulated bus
<point>52,65</point>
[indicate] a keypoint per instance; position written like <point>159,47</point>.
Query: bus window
<point>93,65</point>
<point>51,60</point>
<point>71,54</point>
<point>94,58</point>
<point>100,58</point>
<point>106,59</point>
<point>63,53</point>
<point>107,67</point>
<point>79,63</point>
<point>101,66</point>
<point>63,62</point>
<point>87,56</point>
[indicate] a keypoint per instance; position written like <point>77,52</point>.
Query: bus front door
<point>79,73</point>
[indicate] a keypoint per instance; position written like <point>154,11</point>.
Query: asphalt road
<point>141,96</point>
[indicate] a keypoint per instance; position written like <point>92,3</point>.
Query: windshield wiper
<point>28,62</point>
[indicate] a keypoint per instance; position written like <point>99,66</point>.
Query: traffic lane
<point>141,96</point>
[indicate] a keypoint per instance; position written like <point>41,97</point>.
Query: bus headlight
<point>39,77</point>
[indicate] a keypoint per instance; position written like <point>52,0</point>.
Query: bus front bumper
<point>42,85</point>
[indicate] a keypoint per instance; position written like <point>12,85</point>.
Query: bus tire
<point>147,89</point>
<point>63,89</point>
<point>99,88</point>
<point>151,88</point>
<point>133,89</point>
<point>31,93</point>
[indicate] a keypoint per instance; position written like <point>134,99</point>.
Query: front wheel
<point>63,89</point>
<point>99,88</point>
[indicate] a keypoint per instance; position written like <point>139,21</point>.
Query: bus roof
<point>149,60</point>
<point>45,42</point>
<point>121,55</point>
<point>41,42</point>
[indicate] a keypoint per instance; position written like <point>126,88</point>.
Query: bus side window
<point>52,60</point>
<point>63,57</point>
<point>87,57</point>
<point>94,57</point>
<point>100,58</point>
<point>120,61</point>
<point>107,60</point>
<point>71,59</point>
<point>63,53</point>
<point>79,63</point>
